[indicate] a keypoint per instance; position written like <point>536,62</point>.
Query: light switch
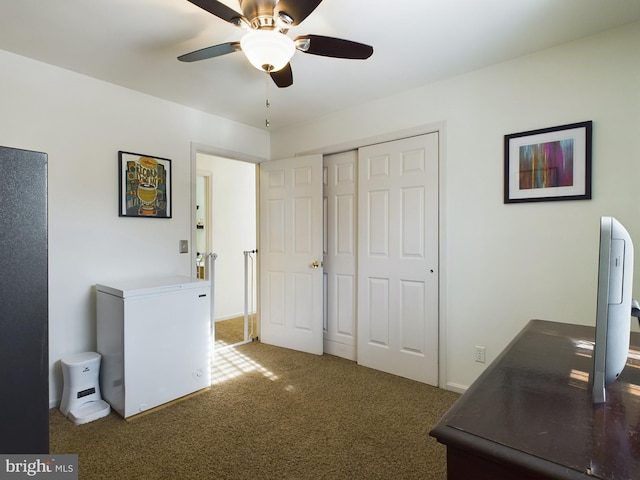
<point>184,246</point>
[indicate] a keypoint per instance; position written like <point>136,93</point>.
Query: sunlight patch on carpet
<point>229,363</point>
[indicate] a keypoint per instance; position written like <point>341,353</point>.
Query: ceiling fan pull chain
<point>266,103</point>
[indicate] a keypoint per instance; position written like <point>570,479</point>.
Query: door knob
<point>315,264</point>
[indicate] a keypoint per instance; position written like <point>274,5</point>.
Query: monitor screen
<point>613,313</point>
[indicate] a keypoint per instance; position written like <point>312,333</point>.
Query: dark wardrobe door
<point>24,353</point>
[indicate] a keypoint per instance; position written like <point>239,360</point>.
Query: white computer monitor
<point>613,313</point>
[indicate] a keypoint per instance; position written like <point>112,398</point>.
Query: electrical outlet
<point>481,354</point>
<point>184,246</point>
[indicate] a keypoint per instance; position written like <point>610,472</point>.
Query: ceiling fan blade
<point>283,77</point>
<point>293,12</point>
<point>333,47</point>
<point>210,52</point>
<point>220,10</point>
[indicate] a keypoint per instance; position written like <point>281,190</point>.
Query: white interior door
<point>340,253</point>
<point>290,253</point>
<point>398,257</point>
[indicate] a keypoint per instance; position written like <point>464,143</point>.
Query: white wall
<point>234,229</point>
<point>505,264</point>
<point>82,123</point>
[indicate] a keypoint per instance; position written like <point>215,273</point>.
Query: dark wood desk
<point>530,415</point>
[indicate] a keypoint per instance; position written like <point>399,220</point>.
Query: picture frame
<point>144,186</point>
<point>549,164</point>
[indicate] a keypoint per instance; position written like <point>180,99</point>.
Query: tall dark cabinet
<point>24,352</point>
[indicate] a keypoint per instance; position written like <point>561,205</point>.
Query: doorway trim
<point>207,175</point>
<point>441,128</point>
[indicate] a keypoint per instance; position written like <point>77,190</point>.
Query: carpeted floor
<point>229,332</point>
<point>272,414</point>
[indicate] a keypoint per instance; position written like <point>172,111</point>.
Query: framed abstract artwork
<point>145,186</point>
<point>548,164</point>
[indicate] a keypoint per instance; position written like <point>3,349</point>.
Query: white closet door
<point>340,241</point>
<point>290,253</point>
<point>398,257</point>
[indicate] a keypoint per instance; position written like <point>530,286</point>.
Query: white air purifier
<point>81,400</point>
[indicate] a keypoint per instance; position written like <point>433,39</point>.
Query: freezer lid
<point>151,285</point>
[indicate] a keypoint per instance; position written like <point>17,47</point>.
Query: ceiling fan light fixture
<point>267,50</point>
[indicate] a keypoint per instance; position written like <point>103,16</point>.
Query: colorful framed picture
<point>145,186</point>
<point>548,164</point>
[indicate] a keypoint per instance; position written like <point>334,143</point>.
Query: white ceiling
<point>134,43</point>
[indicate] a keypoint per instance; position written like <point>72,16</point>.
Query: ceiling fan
<point>266,44</point>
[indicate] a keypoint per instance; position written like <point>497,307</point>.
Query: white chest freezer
<point>155,339</point>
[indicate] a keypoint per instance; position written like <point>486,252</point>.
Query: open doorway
<point>226,227</point>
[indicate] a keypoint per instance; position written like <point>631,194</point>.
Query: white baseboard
<point>232,317</point>
<point>455,387</point>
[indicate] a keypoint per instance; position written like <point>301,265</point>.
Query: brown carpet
<point>272,414</point>
<point>229,332</point>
